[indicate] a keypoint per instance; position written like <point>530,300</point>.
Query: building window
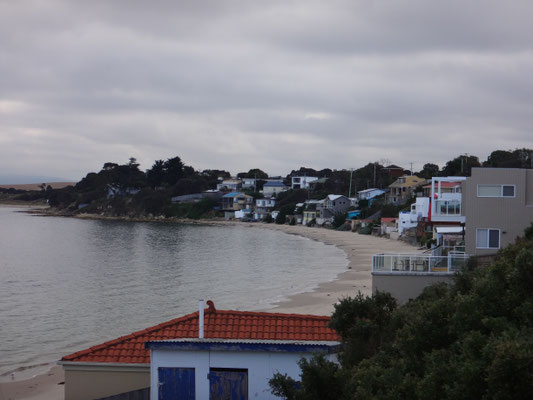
<point>508,190</point>
<point>488,238</point>
<point>495,190</point>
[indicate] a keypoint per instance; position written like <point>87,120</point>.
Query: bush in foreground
<point>469,340</point>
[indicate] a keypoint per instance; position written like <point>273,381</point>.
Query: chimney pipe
<point>201,320</point>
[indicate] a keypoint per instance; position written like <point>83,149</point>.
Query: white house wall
<point>261,368</point>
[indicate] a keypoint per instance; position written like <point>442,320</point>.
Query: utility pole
<point>465,157</point>
<point>350,191</point>
<point>375,174</point>
<point>411,168</point>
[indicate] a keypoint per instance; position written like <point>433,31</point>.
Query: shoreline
<point>318,301</point>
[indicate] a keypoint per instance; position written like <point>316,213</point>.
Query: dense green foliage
<point>469,340</point>
<point>339,219</point>
<point>124,190</point>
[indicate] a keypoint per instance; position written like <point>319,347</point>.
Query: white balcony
<point>420,264</point>
<point>446,206</point>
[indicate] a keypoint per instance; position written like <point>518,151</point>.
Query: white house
<point>273,188</point>
<point>263,207</point>
<point>230,184</point>
<point>302,182</point>
<point>248,183</point>
<point>409,219</point>
<point>189,356</point>
<point>236,354</point>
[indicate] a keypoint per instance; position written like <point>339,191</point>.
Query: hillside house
<point>333,204</point>
<point>231,185</point>
<point>403,189</point>
<point>235,201</point>
<point>248,184</point>
<point>393,171</point>
<point>198,353</point>
<point>369,194</point>
<point>272,188</point>
<point>302,182</point>
<point>263,207</point>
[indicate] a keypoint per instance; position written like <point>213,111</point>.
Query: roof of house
<point>388,220</point>
<point>369,190</point>
<point>221,324</point>
<point>235,194</point>
<point>392,166</point>
<point>408,181</point>
<point>274,184</point>
<point>334,197</point>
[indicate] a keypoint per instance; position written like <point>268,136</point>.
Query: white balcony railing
<point>419,263</point>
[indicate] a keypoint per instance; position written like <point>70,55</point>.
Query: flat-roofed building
<point>498,205</point>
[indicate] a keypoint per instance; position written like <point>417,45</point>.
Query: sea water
<point>67,284</point>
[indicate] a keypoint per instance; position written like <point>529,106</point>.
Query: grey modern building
<point>498,206</point>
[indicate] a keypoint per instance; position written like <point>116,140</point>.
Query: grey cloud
<point>228,84</point>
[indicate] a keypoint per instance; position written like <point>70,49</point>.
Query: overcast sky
<point>269,84</point>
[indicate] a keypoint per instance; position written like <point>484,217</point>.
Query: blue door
<point>176,383</point>
<point>228,384</point>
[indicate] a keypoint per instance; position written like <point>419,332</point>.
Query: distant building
<point>196,197</point>
<point>302,182</point>
<point>333,204</point>
<point>230,185</point>
<point>272,188</point>
<point>393,171</point>
<point>264,207</point>
<point>235,201</point>
<point>309,215</point>
<point>368,194</point>
<point>403,189</point>
<point>248,183</point>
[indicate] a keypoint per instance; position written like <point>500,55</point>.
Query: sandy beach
<point>358,248</point>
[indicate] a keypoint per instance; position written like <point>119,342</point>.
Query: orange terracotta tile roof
<point>219,324</point>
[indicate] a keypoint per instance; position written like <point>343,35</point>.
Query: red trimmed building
<point>123,365</point>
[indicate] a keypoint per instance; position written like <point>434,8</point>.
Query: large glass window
<point>488,238</point>
<point>489,190</point>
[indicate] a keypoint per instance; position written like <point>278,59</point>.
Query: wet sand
<point>320,301</point>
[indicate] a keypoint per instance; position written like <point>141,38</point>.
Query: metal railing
<point>419,263</point>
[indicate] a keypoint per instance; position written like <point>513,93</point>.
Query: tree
<point>173,168</point>
<point>287,209</point>
<point>469,340</point>
<point>461,166</point>
<point>428,171</point>
<point>254,173</point>
<point>156,175</point>
<point>339,219</point>
<point>519,158</point>
<point>291,197</point>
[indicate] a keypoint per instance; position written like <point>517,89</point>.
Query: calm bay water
<point>66,284</point>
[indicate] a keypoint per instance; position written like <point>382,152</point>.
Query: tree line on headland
<point>145,193</point>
